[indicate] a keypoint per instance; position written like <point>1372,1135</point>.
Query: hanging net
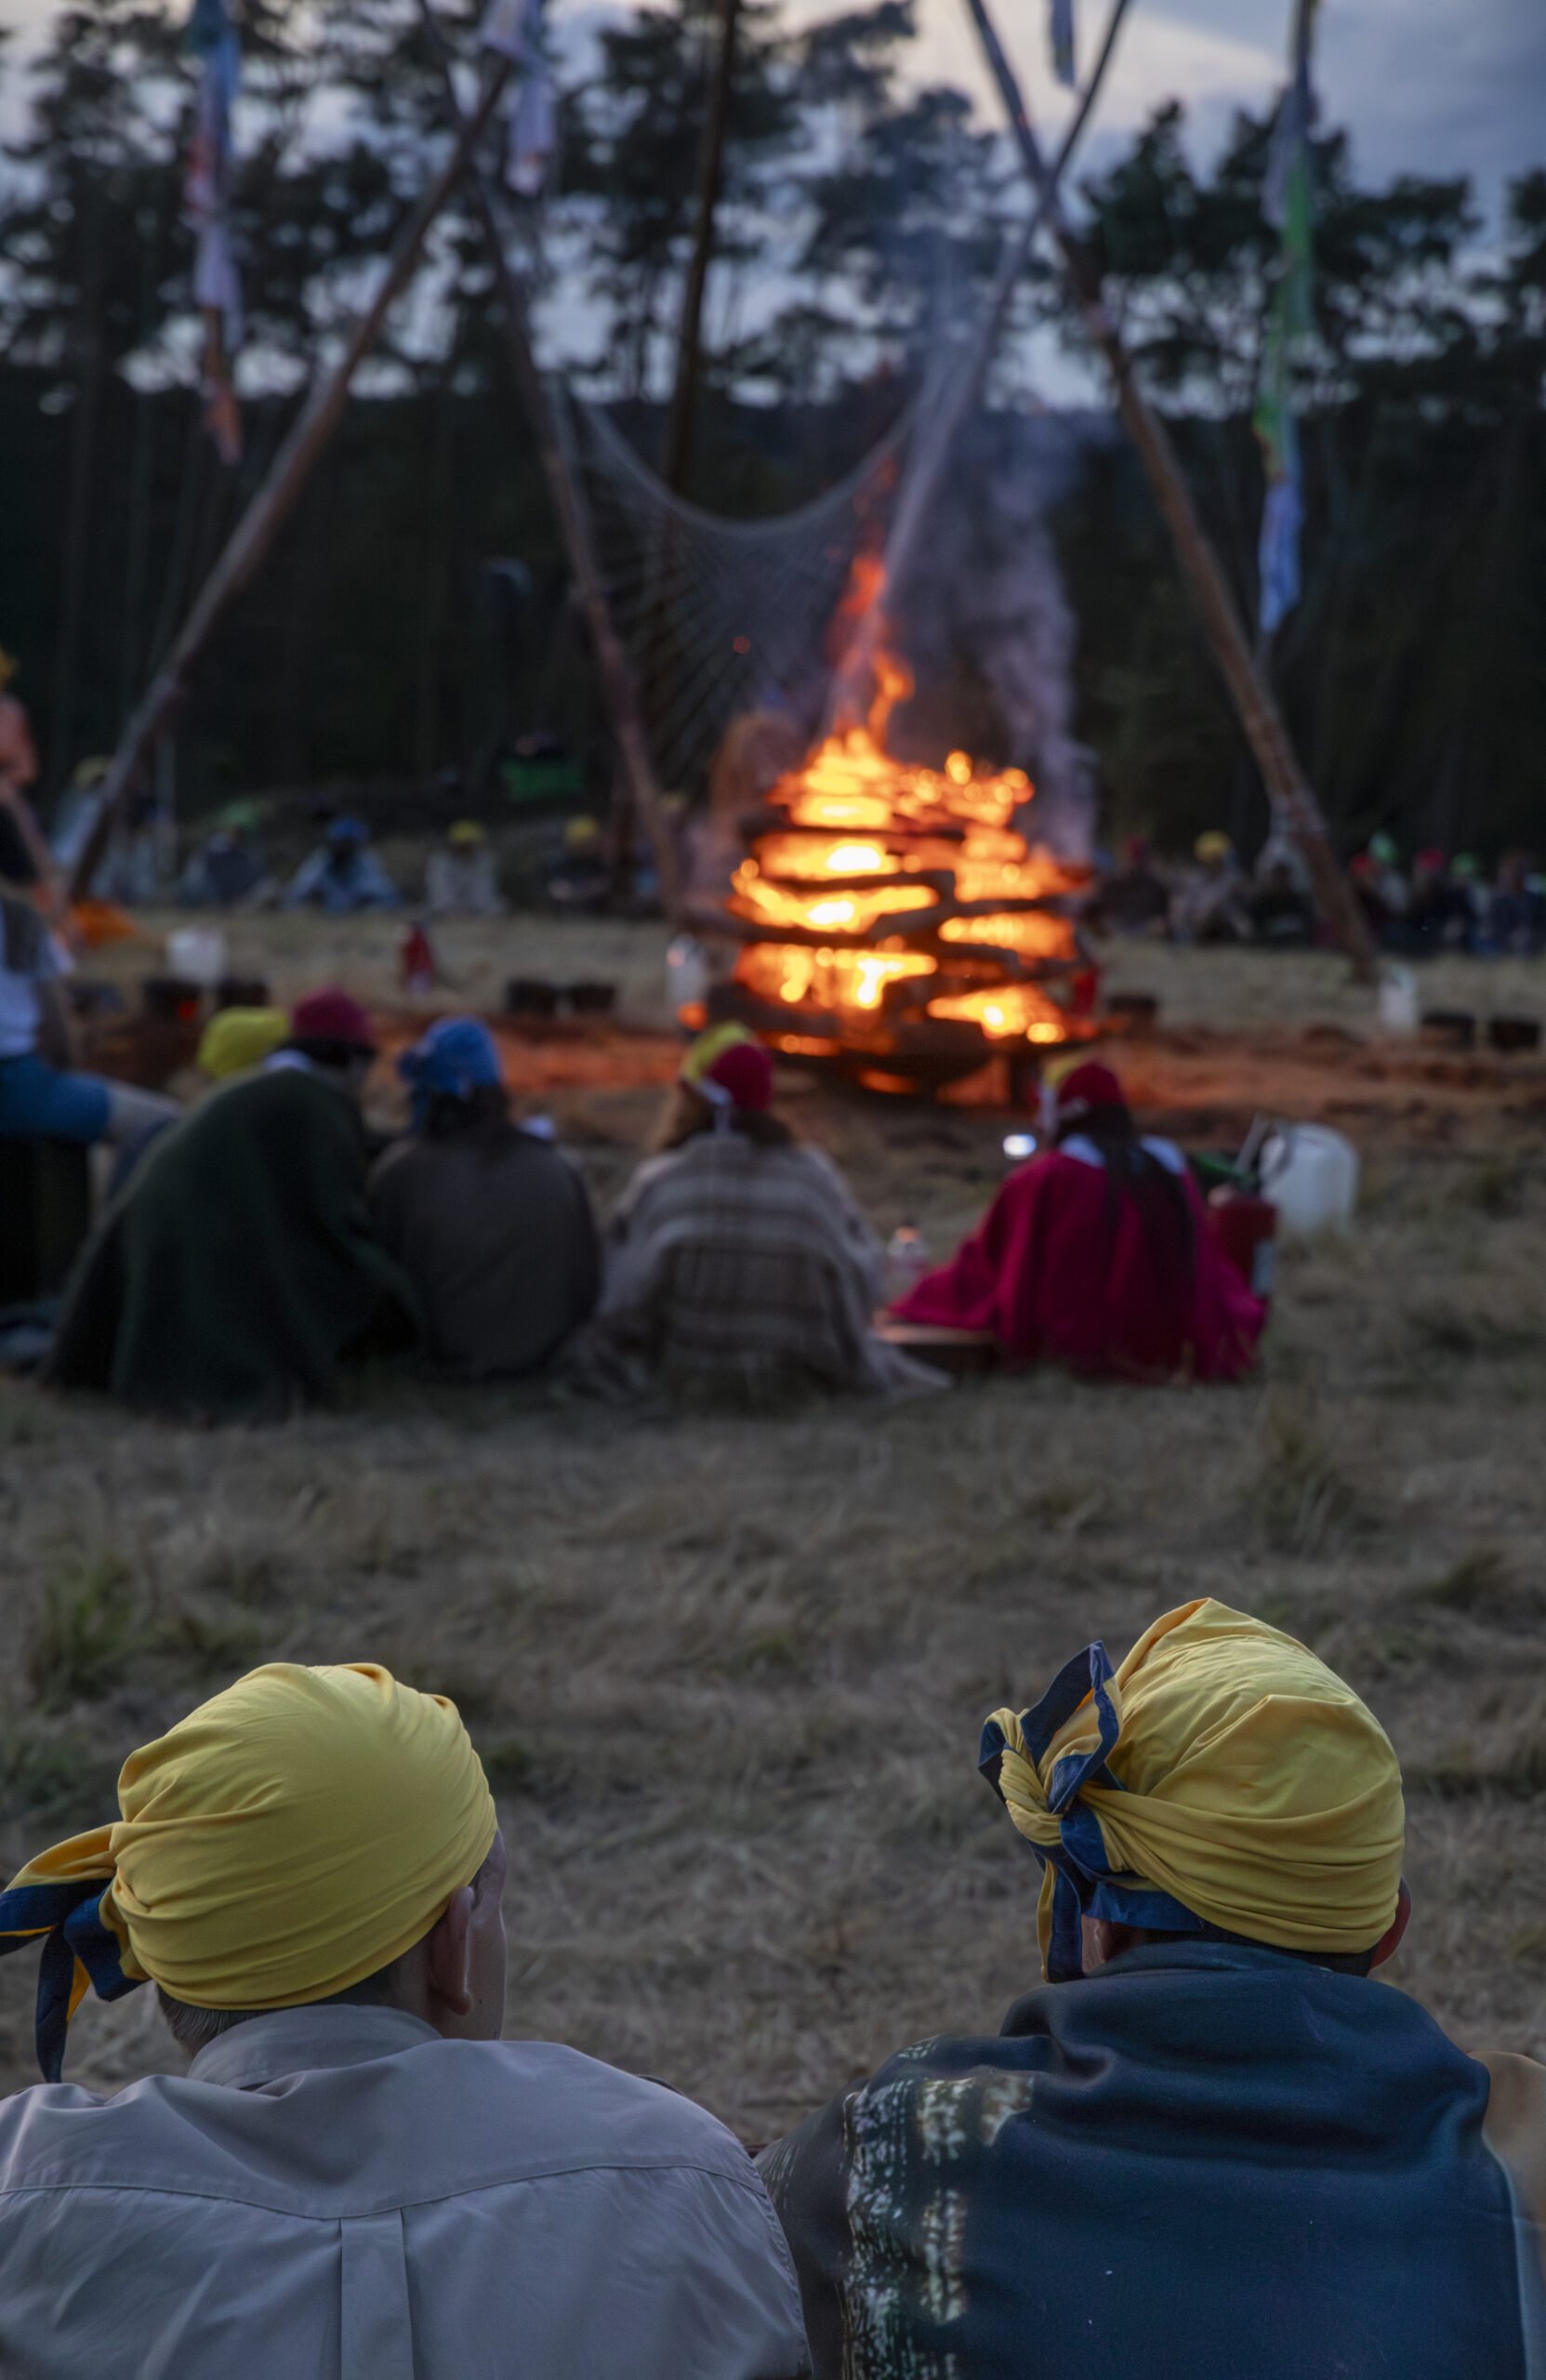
<point>719,617</point>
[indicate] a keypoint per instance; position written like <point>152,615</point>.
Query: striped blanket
<point>735,1269</point>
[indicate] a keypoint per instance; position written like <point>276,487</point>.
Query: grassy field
<point>728,1672</point>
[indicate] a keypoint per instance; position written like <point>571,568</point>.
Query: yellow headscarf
<point>236,1039</point>
<point>1222,1773</point>
<point>285,1840</point>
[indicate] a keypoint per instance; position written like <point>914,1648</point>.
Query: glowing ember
<point>895,913</point>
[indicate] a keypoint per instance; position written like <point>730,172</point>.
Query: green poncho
<point>237,1266</point>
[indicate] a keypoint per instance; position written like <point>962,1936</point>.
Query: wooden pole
<point>618,689</point>
<point>1287,789</point>
<point>963,374</point>
<point>678,450</point>
<point>260,523</point>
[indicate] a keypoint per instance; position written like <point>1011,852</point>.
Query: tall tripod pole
<point>677,453</point>
<point>960,378</point>
<point>618,688</point>
<point>260,523</point>
<point>1287,789</point>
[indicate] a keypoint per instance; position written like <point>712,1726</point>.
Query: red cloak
<point>1057,1278</point>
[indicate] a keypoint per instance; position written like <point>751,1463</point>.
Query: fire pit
<point>898,927</point>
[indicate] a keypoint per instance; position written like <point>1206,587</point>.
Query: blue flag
<point>1060,33</point>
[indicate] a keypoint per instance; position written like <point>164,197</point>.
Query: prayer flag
<point>206,198</point>
<point>1060,33</point>
<point>1287,205</point>
<point>514,28</point>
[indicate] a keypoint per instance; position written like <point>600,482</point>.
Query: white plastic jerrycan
<point>1310,1175</point>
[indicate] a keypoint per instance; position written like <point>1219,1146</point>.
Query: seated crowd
<point>256,1246</point>
<point>1203,2142</point>
<point>1438,903</point>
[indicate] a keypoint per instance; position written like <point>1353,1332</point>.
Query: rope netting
<point>718,615</point>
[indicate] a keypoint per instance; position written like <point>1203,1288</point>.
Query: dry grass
<point>728,1672</point>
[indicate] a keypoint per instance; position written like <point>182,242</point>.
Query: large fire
<point>896,918</point>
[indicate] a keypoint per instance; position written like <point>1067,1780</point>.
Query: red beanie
<point>331,1016</point>
<point>746,1071</point>
<point>1089,1085</point>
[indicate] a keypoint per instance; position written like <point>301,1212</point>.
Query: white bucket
<point>686,972</point>
<point>1398,1009</point>
<point>197,953</point>
<point>1310,1175</point>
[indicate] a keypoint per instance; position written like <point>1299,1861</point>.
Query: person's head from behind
<point>333,1033</point>
<point>310,1835</point>
<point>1083,1101</point>
<point>1222,1786</point>
<point>466,837</point>
<point>346,838</point>
<point>1213,852</point>
<point>238,1039</point>
<point>725,1085</point>
<point>455,1086</point>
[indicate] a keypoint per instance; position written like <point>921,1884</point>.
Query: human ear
<point>450,1977</point>
<point>1389,1940</point>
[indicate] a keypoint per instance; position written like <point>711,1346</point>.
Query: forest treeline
<point>386,640</point>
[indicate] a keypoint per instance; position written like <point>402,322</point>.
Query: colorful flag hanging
<point>514,28</point>
<point>1287,204</point>
<point>211,38</point>
<point>1060,35</point>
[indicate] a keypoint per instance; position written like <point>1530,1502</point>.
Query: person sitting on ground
<point>42,1096</point>
<point>736,1263</point>
<point>1469,906</point>
<point>357,2178</point>
<point>460,878</point>
<point>1516,918</point>
<point>239,1269</point>
<point>342,874</point>
<point>1207,2145</point>
<point>227,871</point>
<point>1282,901</point>
<point>1210,905</point>
<point>493,1226</point>
<point>1133,900</point>
<point>1098,1254</point>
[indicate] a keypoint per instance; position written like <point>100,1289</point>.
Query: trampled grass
<point>728,1672</point>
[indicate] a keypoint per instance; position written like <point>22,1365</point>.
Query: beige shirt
<point>338,2194</point>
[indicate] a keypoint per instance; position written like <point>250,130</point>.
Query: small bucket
<point>1511,1034</point>
<point>1448,1028</point>
<point>241,991</point>
<point>171,996</point>
<point>531,996</point>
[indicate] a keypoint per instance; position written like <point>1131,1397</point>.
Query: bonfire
<point>897,923</point>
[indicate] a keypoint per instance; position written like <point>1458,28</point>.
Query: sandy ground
<point>728,1672</point>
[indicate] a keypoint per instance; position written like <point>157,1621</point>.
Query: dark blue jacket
<point>1203,2163</point>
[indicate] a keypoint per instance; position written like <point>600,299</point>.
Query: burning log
<point>895,921</point>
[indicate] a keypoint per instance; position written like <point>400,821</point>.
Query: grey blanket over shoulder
<point>736,1268</point>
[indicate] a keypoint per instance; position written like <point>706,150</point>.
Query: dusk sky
<point>1441,86</point>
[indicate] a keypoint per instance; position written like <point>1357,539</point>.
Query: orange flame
<point>900,899</point>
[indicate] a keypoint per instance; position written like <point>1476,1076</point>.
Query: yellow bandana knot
<point>1222,1776</point>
